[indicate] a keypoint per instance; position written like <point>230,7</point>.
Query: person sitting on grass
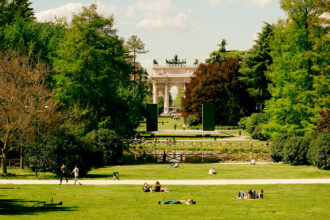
<point>212,171</point>
<point>187,202</point>
<point>174,165</point>
<point>146,188</point>
<point>157,186</point>
<point>159,189</point>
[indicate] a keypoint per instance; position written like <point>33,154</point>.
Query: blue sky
<point>190,28</point>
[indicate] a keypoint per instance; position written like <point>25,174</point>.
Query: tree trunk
<point>21,164</point>
<point>4,162</point>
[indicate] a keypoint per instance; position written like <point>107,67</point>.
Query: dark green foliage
<point>9,11</point>
<point>295,150</point>
<point>222,54</point>
<point>106,144</point>
<point>255,65</point>
<point>192,120</point>
<point>242,123</point>
<point>256,119</point>
<point>319,152</point>
<point>93,79</point>
<point>39,41</point>
<point>277,146</point>
<point>61,148</point>
<point>257,133</point>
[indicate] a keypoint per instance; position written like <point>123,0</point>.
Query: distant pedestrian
<point>164,157</point>
<point>174,126</point>
<point>267,143</point>
<point>75,171</point>
<point>63,173</point>
<point>184,126</point>
<point>239,132</point>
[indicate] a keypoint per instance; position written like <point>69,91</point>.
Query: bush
<point>254,120</point>
<point>242,123</point>
<point>106,144</point>
<point>192,120</point>
<point>295,150</point>
<point>276,148</point>
<point>257,134</point>
<point>61,148</point>
<point>319,152</point>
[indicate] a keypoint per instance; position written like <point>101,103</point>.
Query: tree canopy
<point>217,83</point>
<point>300,71</point>
<point>93,76</point>
<point>256,63</point>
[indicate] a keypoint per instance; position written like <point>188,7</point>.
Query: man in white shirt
<point>76,174</point>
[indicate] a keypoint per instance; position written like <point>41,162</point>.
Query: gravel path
<point>175,182</point>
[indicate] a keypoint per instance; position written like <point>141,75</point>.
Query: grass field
<point>129,202</point>
<point>193,171</point>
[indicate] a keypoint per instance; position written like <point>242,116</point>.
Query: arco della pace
<point>174,73</point>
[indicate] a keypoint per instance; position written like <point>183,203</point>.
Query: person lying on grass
<point>252,194</point>
<point>187,202</point>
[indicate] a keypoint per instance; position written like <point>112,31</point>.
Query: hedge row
<point>302,150</point>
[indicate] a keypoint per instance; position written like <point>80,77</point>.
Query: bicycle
<point>47,205</point>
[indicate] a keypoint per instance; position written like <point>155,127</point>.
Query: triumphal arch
<point>175,73</point>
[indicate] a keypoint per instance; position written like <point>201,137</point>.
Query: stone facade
<point>165,77</point>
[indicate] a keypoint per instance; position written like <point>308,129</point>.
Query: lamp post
<point>259,106</point>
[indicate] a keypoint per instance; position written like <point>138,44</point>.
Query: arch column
<point>154,93</point>
<point>166,100</point>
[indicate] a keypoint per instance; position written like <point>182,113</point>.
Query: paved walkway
<point>175,182</point>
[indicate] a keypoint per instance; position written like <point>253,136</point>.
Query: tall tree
<point>27,111</point>
<point>9,11</point>
<point>136,46</point>
<point>300,71</point>
<point>222,53</point>
<point>256,63</point>
<point>94,77</point>
<point>217,83</point>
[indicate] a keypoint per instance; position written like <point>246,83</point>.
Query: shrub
<point>295,150</point>
<point>257,134</point>
<point>106,144</point>
<point>192,120</point>
<point>256,119</point>
<point>319,152</point>
<point>61,148</point>
<point>276,148</point>
<point>242,123</point>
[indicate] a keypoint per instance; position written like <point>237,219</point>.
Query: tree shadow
<point>24,207</point>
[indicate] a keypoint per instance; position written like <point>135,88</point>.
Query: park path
<point>174,182</point>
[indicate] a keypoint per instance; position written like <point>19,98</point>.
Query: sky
<point>190,28</point>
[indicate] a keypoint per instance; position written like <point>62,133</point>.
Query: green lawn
<point>193,171</point>
<point>129,202</point>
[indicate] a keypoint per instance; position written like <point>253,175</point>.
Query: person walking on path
<point>76,174</point>
<point>63,173</point>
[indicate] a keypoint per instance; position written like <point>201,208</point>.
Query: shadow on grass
<point>23,207</point>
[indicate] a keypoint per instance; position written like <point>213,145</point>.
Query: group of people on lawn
<point>252,194</point>
<point>157,188</point>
